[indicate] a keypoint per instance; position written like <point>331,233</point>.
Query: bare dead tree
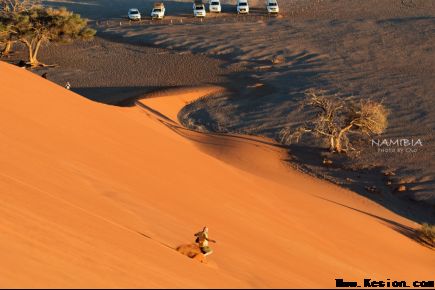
<point>334,119</point>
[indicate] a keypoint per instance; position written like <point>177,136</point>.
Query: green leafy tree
<point>39,25</point>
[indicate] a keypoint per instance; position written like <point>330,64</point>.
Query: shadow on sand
<point>404,230</point>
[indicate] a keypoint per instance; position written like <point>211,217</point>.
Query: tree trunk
<point>338,145</point>
<point>33,52</point>
<point>7,49</point>
<point>33,61</point>
<point>332,143</point>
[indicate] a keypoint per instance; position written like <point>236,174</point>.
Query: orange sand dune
<point>98,196</point>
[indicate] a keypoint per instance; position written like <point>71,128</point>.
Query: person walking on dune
<point>202,241</point>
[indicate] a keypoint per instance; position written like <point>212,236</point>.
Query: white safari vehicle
<point>215,6</point>
<point>272,6</point>
<point>158,11</point>
<point>242,7</point>
<point>134,14</point>
<point>199,9</point>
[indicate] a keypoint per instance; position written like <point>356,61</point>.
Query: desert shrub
<point>334,119</point>
<point>427,234</point>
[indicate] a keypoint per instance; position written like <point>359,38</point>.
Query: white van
<point>272,6</point>
<point>242,7</point>
<point>199,9</point>
<point>158,10</point>
<point>134,14</point>
<point>215,6</point>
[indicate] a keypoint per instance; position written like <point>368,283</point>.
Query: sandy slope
<point>382,50</point>
<point>94,195</point>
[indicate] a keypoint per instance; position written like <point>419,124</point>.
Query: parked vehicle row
<point>199,9</point>
<point>158,12</point>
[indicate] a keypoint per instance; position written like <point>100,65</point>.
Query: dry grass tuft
<point>427,234</point>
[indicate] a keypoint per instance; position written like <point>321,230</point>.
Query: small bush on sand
<point>334,119</point>
<point>427,234</point>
